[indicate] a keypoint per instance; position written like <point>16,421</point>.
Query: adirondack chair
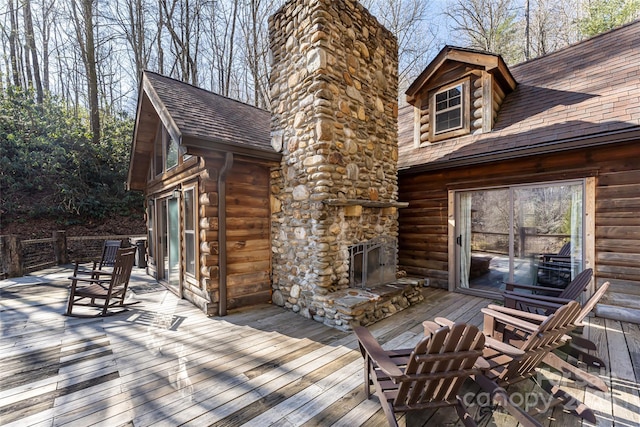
<point>428,376</point>
<point>575,347</point>
<point>522,301</point>
<point>510,364</point>
<point>554,270</point>
<point>111,287</point>
<point>563,254</point>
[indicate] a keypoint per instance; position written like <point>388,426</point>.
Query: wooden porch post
<point>11,255</point>
<point>60,247</point>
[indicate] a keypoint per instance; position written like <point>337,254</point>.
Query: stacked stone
<point>334,117</point>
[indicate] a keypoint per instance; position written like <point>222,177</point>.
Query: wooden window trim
<point>465,111</point>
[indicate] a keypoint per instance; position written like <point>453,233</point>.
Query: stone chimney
<point>334,88</point>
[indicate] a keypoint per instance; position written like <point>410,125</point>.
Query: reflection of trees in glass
<point>538,211</point>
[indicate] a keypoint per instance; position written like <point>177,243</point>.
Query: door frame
<point>588,230</point>
<point>160,236</point>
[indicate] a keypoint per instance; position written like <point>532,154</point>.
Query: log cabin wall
<point>423,241</point>
<point>248,226</point>
<point>208,226</point>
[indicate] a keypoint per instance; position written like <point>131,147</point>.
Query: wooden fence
<point>23,256</point>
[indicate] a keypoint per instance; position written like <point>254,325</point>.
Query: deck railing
<point>22,256</point>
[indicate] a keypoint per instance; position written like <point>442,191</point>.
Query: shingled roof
<point>196,118</point>
<point>585,94</point>
<point>204,115</point>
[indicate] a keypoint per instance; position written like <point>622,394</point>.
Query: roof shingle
<point>204,115</point>
<point>581,91</point>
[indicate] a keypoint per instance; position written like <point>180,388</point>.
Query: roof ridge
<point>578,43</point>
<point>210,92</point>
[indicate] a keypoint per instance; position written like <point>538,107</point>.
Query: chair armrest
<point>502,347</point>
<point>86,279</point>
<point>542,303</point>
<point>442,321</point>
<point>510,288</point>
<point>545,298</point>
<point>533,317</point>
<point>430,327</point>
<point>373,349</point>
<point>510,320</point>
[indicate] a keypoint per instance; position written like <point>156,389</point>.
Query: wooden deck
<point>165,363</point>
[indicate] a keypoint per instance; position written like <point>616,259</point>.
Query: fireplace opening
<point>372,263</point>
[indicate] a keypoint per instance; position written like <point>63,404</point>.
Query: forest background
<point>70,70</point>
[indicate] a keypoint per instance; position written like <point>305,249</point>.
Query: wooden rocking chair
<point>109,252</point>
<point>512,364</point>
<point>107,259</point>
<point>427,377</point>
<point>108,286</point>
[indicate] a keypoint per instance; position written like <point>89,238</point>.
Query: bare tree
<point>13,44</point>
<point>551,26</point>
<point>31,49</point>
<point>84,28</point>
<point>409,21</point>
<point>182,21</point>
<point>222,17</point>
<point>488,25</point>
<point>48,14</point>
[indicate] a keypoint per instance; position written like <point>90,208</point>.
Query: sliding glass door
<point>526,234</point>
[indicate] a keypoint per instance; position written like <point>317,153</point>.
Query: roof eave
<point>213,144</point>
<point>594,140</point>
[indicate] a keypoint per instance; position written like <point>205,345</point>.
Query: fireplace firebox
<point>372,263</point>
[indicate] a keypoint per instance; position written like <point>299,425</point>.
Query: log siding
<point>424,240</point>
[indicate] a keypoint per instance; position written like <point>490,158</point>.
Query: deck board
<point>163,362</point>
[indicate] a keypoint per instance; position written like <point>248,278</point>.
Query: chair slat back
<point>548,336</point>
<point>439,364</point>
<point>591,302</point>
<point>122,270</point>
<point>575,288</point>
<point>109,252</point>
<point>565,250</point>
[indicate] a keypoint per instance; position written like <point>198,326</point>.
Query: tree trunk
<point>13,48</point>
<point>84,32</point>
<point>31,47</point>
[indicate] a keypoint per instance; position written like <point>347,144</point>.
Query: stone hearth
<point>333,88</point>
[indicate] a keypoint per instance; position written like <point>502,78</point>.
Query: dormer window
<point>448,109</point>
<point>459,93</point>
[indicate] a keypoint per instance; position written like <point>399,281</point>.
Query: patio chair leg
<point>570,403</point>
<point>583,342</point>
<point>556,362</point>
<point>464,415</point>
<point>582,356</point>
<point>500,397</point>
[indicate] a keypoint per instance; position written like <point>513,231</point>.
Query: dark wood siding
<point>423,241</point>
<point>248,235</point>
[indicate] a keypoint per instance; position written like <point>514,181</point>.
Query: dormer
<point>459,93</point>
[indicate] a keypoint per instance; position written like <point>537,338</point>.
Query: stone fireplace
<point>334,197</point>
<point>372,263</point>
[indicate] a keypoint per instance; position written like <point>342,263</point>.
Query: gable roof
<point>585,94</point>
<point>195,118</point>
<point>491,62</point>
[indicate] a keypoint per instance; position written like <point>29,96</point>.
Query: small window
<point>190,231</point>
<point>448,112</point>
<point>150,228</point>
<point>171,157</point>
<point>158,157</point>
